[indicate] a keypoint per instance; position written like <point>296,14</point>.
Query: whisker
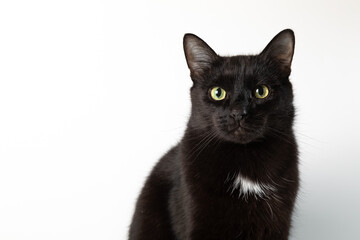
<point>205,140</point>
<point>206,144</point>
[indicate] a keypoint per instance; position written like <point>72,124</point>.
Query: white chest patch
<point>246,187</point>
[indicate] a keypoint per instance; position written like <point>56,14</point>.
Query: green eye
<point>217,93</point>
<point>261,91</point>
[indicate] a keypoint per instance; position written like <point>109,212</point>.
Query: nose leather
<point>238,114</point>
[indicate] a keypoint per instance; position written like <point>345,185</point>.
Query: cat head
<point>242,98</point>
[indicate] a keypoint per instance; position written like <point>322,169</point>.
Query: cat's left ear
<point>281,50</point>
<point>199,55</point>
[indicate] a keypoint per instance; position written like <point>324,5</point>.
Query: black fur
<point>190,193</point>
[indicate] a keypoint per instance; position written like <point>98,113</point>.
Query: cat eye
<point>217,93</point>
<point>261,91</point>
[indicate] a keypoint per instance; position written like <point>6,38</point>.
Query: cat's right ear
<point>199,56</point>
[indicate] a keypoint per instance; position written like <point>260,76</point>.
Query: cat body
<point>234,174</point>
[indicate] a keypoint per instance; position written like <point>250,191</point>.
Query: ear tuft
<point>281,49</point>
<point>198,54</point>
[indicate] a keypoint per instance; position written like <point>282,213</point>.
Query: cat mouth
<point>238,130</point>
<point>243,131</point>
<point>244,134</point>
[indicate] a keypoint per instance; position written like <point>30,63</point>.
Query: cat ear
<point>281,49</point>
<point>198,54</point>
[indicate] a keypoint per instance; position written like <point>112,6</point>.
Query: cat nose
<point>238,114</point>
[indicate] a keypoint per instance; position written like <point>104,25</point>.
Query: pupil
<point>260,91</point>
<point>218,92</point>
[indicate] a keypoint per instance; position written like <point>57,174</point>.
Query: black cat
<point>234,175</point>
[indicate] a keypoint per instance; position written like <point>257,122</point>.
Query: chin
<point>241,136</point>
<point>241,139</point>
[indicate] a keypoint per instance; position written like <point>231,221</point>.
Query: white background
<point>92,93</point>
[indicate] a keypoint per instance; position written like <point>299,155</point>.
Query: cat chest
<point>244,187</point>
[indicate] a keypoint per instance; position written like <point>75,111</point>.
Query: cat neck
<point>212,160</point>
